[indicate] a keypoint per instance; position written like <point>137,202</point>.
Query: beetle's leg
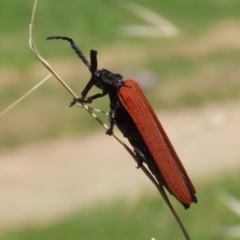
<point>111,122</point>
<point>90,84</point>
<point>88,100</point>
<point>111,119</point>
<point>140,157</point>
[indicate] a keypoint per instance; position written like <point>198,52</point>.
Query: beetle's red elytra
<point>168,163</point>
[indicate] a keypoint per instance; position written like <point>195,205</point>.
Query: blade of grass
<point>25,95</point>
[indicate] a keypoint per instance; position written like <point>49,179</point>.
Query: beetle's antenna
<point>93,60</point>
<point>76,49</point>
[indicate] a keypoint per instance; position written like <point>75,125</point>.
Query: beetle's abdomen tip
<point>186,206</point>
<point>194,199</point>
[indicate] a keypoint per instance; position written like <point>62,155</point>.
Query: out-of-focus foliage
<point>145,218</point>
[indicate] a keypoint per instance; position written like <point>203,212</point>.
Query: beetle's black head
<point>104,78</point>
<point>107,79</point>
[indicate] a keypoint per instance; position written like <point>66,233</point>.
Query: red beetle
<point>135,118</point>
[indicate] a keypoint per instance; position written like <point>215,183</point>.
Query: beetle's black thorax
<point>108,81</point>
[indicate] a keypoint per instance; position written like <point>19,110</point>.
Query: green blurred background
<point>197,68</point>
